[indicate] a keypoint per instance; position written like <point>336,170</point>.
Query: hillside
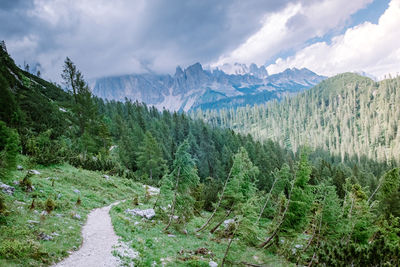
<point>196,87</point>
<point>348,115</point>
<point>224,197</point>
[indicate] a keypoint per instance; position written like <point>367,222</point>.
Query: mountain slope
<point>195,87</point>
<point>348,114</point>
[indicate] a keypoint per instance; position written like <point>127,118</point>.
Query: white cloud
<point>290,28</point>
<point>373,48</point>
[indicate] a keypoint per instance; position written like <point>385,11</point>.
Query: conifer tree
<point>182,181</point>
<point>150,159</point>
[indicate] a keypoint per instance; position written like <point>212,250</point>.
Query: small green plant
<point>26,183</point>
<point>135,201</point>
<point>2,204</point>
<point>78,201</point>
<point>50,205</point>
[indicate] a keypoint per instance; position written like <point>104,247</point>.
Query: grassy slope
<point>156,246</point>
<point>20,242</point>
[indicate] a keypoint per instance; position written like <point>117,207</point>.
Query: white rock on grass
<point>153,191</point>
<point>9,190</point>
<point>106,177</point>
<point>213,264</point>
<point>20,168</point>
<point>228,222</point>
<point>34,172</point>
<point>148,214</point>
<point>76,191</point>
<point>76,216</point>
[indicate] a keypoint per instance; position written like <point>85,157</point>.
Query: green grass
<point>156,247</point>
<point>20,243</point>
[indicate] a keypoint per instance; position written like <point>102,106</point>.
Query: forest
<point>313,179</point>
<point>348,115</point>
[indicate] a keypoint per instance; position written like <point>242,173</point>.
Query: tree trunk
<point>219,224</point>
<point>216,207</point>
<point>265,243</point>
<point>266,202</point>
<point>229,246</point>
<point>174,201</point>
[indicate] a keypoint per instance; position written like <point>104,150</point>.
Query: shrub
<point>50,205</point>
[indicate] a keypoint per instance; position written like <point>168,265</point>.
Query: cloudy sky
<point>106,37</point>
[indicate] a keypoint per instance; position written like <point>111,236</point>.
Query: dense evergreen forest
<point>308,205</point>
<point>348,115</point>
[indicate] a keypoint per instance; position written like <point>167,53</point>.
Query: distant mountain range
<point>194,87</point>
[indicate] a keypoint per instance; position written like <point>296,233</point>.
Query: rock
<point>19,202</point>
<point>228,222</point>
<point>148,214</point>
<point>45,237</point>
<point>32,222</point>
<point>34,172</point>
<point>59,196</point>
<point>9,190</point>
<point>170,235</point>
<point>153,191</point>
<point>106,177</point>
<point>213,264</point>
<point>55,234</point>
<point>59,215</point>
<point>298,246</point>
<point>15,182</point>
<point>77,191</point>
<point>44,213</point>
<point>20,168</point>
<point>76,216</point>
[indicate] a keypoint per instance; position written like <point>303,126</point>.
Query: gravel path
<point>98,241</point>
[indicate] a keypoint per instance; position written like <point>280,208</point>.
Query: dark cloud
<point>112,37</point>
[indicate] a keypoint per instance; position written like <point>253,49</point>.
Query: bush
<point>50,205</point>
<point>2,204</point>
<point>9,147</point>
<point>44,150</point>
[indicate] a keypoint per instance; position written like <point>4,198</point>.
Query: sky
<point>105,38</point>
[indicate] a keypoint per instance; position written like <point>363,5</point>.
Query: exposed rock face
<point>195,87</point>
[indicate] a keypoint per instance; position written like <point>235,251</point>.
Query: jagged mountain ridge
<point>195,87</point>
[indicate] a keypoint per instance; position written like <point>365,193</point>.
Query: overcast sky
<point>106,37</point>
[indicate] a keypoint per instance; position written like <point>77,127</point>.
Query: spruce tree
<point>181,181</point>
<point>150,160</point>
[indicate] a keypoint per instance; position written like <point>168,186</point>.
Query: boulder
<point>9,190</point>
<point>148,214</point>
<point>43,236</point>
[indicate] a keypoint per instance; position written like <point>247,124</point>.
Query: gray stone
<point>106,177</point>
<point>33,222</point>
<point>213,264</point>
<point>20,168</point>
<point>77,191</point>
<point>76,216</point>
<point>148,214</point>
<point>45,237</point>
<point>44,213</point>
<point>9,190</point>
<point>34,172</point>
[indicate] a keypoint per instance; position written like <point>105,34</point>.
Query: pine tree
<point>182,181</point>
<point>150,159</point>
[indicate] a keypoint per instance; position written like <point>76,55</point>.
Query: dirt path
<point>98,241</point>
